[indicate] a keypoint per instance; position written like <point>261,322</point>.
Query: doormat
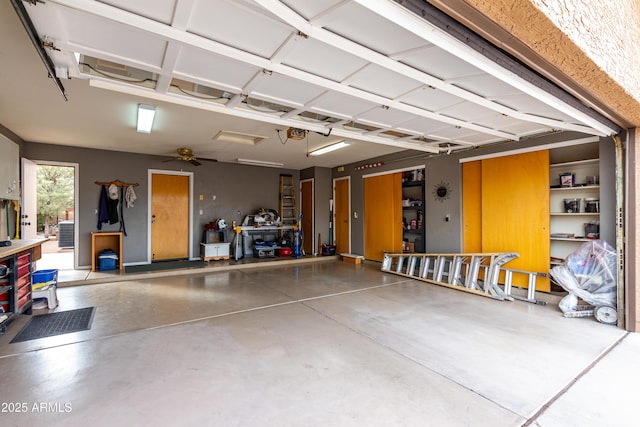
<point>164,265</point>
<point>52,324</point>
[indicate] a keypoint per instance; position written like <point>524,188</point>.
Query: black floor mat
<point>49,325</point>
<point>164,265</point>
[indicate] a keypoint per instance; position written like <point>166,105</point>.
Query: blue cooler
<point>107,260</point>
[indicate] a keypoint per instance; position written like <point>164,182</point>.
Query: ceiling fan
<point>186,155</point>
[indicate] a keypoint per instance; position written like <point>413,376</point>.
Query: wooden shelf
<point>576,188</point>
<point>575,214</point>
<point>101,240</point>
<point>575,163</point>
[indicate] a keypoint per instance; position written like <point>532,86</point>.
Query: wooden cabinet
<point>574,205</point>
<point>105,240</point>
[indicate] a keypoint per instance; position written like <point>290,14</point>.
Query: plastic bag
<point>590,274</point>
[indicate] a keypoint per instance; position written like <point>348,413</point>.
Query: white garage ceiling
<point>368,71</point>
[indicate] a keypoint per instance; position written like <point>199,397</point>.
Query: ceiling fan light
<point>146,113</point>
<point>330,148</point>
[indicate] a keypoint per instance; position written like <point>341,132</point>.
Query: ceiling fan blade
<point>195,162</point>
<point>169,160</point>
<point>207,160</point>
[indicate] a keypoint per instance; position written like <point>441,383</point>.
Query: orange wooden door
<point>341,216</point>
<point>515,211</point>
<point>169,217</point>
<point>382,215</point>
<point>306,202</point>
<point>472,207</point>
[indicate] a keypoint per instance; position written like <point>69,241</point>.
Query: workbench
<point>245,235</point>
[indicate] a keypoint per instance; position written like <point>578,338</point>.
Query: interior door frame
<point>333,220</point>
<point>76,201</point>
<point>150,173</point>
<point>313,211</point>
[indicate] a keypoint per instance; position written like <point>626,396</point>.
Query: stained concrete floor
<point>313,344</point>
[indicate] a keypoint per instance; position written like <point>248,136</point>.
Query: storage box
<point>107,260</point>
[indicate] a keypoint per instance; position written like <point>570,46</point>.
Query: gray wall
<point>446,236</point>
<point>238,188</point>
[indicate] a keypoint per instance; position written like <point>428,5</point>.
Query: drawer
<point>24,300</point>
<point>23,291</point>
<point>24,259</point>
<point>24,280</point>
<point>23,270</point>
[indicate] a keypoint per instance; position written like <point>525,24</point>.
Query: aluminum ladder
<point>476,273</point>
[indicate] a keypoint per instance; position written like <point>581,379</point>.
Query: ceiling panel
<point>290,91</point>
<point>234,24</point>
<point>368,29</point>
<point>343,105</point>
<point>158,10</point>
<point>311,9</point>
<point>522,102</point>
<point>439,63</point>
<point>386,117</point>
<point>323,60</point>
<point>430,99</point>
<point>381,81</point>
<point>213,68</point>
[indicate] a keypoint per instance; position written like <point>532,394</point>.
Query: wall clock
<point>442,191</point>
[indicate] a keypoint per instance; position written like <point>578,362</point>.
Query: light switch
<point>201,198</point>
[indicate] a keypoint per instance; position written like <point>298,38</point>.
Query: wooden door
<point>169,217</point>
<point>306,202</point>
<point>472,207</point>
<point>382,215</point>
<point>515,211</point>
<point>341,216</point>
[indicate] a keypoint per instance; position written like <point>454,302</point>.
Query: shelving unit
<point>567,230</point>
<point>101,240</point>
<point>413,209</point>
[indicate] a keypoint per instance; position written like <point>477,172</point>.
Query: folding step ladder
<point>288,214</point>
<point>476,273</point>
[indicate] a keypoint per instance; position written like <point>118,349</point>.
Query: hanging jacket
<point>103,212</point>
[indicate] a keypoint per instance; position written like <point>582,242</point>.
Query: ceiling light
<point>238,138</point>
<point>260,163</point>
<point>145,117</point>
<point>330,148</point>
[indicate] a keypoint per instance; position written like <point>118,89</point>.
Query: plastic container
<point>567,179</point>
<point>572,205</point>
<point>591,205</point>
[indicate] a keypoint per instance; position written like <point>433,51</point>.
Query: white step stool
<point>48,292</point>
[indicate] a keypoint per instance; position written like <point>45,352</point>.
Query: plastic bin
<point>42,278</point>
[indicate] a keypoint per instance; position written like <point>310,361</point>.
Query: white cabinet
<point>573,205</point>
<point>214,251</point>
<point>9,169</point>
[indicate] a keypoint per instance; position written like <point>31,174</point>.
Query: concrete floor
<point>325,343</point>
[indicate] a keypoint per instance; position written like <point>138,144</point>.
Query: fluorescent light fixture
<point>329,148</point>
<point>145,117</point>
<point>260,163</point>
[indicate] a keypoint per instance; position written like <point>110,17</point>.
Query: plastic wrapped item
<point>589,273</point>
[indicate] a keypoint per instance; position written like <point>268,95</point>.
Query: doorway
<point>48,208</point>
<point>170,208</point>
<point>306,203</point>
<point>342,218</point>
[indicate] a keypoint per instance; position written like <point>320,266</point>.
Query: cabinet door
<point>382,215</point>
<point>515,211</point>
<point>472,207</point>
